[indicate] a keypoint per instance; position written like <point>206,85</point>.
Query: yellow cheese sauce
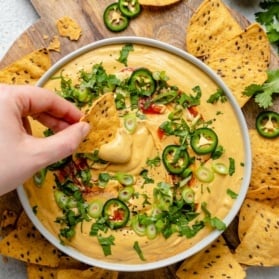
<point>128,153</point>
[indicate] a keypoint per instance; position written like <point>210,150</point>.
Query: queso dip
<point>168,176</point>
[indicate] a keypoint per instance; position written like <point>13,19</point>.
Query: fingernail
<point>85,128</point>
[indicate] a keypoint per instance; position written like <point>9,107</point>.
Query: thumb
<point>62,144</point>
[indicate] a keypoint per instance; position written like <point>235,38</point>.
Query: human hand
<point>23,154</point>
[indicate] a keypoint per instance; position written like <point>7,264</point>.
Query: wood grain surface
<point>167,24</point>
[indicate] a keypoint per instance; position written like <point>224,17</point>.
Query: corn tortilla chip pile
<point>215,261</point>
<point>28,69</point>
<point>259,244</point>
<point>265,168</point>
<point>104,122</point>
<point>42,259</point>
<point>239,57</point>
<point>241,61</point>
<point>25,243</point>
<point>211,24</point>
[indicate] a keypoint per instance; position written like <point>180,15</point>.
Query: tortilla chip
<point>104,122</point>
<point>68,27</point>
<point>26,244</point>
<point>35,271</point>
<point>215,261</point>
<point>265,176</point>
<point>210,26</point>
<point>241,61</point>
<point>28,69</point>
<point>259,245</point>
<point>91,273</point>
<point>54,44</point>
<point>157,3</point>
<point>250,209</point>
<point>8,218</point>
<point>69,262</point>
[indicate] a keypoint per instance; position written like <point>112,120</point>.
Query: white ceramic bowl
<point>206,240</point>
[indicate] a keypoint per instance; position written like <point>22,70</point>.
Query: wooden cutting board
<point>167,24</point>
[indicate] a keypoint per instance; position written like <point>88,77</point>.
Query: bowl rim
<point>68,250</point>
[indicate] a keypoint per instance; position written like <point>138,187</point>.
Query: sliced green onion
<point>126,193</point>
<point>39,177</point>
<point>220,168</point>
<point>188,195</point>
<point>95,208</point>
<point>137,227</point>
<point>130,122</point>
<point>151,231</point>
<point>204,174</point>
<point>125,178</point>
<point>61,199</point>
<point>72,203</point>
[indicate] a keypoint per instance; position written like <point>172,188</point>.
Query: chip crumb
<point>54,44</point>
<point>68,27</point>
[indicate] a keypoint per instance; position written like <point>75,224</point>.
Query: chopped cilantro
<point>106,243</point>
<point>154,162</point>
<point>231,166</point>
<point>103,179</point>
<point>232,194</point>
<point>189,100</point>
<point>214,222</point>
<point>144,175</point>
<point>264,93</point>
<point>219,95</point>
<point>123,58</point>
<point>269,18</point>
<point>138,250</point>
<point>218,152</point>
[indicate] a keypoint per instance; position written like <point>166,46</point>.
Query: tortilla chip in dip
<point>157,2</point>
<point>68,27</point>
<point>215,261</point>
<point>241,61</point>
<point>259,246</point>
<point>28,69</point>
<point>210,26</point>
<point>104,122</point>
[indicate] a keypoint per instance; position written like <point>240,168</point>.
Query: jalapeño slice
<point>267,124</point>
<point>204,141</point>
<point>116,213</point>
<point>142,82</point>
<point>129,8</point>
<point>175,158</point>
<point>114,19</point>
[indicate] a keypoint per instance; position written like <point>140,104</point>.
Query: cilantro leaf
<point>264,93</point>
<point>123,58</point>
<point>269,18</point>
<point>219,95</point>
<point>106,243</point>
